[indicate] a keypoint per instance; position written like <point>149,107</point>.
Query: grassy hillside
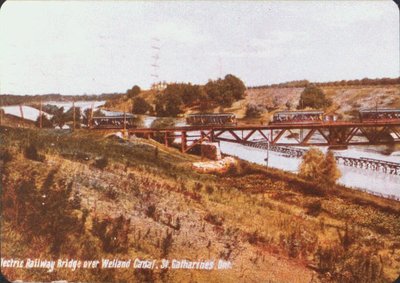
<point>111,199</point>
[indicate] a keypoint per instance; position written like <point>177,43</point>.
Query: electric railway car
<point>372,115</point>
<point>295,117</point>
<point>113,122</point>
<point>211,119</point>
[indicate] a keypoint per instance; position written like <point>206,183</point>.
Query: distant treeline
<point>9,99</point>
<point>304,83</point>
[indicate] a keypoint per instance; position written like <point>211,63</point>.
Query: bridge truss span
<point>343,134</point>
<point>318,134</point>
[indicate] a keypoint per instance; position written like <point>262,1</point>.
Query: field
<point>109,198</point>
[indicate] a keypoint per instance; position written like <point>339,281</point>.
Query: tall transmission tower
<point>155,46</point>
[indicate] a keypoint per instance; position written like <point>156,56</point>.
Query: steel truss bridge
<point>301,134</point>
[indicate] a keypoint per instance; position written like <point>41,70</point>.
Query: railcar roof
<point>210,114</point>
<point>380,110</point>
<point>113,117</point>
<point>299,112</point>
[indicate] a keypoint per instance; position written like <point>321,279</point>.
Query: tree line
<point>304,83</point>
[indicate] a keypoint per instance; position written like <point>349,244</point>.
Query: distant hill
<point>345,98</point>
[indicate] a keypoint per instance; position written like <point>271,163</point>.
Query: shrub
<point>113,233</point>
<point>314,208</point>
<point>214,219</point>
<point>151,210</point>
<point>255,238</point>
<point>319,168</point>
<point>253,111</point>
<point>209,189</point>
<point>32,153</point>
<point>197,187</point>
<point>111,193</point>
<point>6,156</point>
<point>101,163</point>
<point>46,122</point>
<point>166,244</point>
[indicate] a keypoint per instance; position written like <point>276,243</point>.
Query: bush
<point>111,193</point>
<point>101,163</point>
<point>214,219</point>
<point>319,168</point>
<point>113,233</point>
<point>253,111</point>
<point>32,153</point>
<point>167,244</point>
<point>46,122</point>
<point>209,189</point>
<point>6,156</point>
<point>314,208</point>
<point>151,211</point>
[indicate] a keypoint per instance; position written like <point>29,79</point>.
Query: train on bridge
<point>299,117</point>
<point>319,117</point>
<point>293,117</point>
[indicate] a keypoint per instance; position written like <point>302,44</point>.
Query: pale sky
<point>93,47</point>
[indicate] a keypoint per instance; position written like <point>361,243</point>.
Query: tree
<point>87,113</point>
<point>168,105</point>
<point>313,97</point>
<point>69,116</point>
<point>235,85</point>
<point>134,91</point>
<point>140,106</point>
<point>253,111</point>
<point>311,165</point>
<point>319,168</point>
<point>59,117</point>
<point>330,171</point>
<point>46,122</point>
<point>225,91</point>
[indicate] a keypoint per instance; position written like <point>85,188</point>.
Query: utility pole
<point>90,118</point>
<point>22,111</point>
<point>1,111</point>
<point>124,133</point>
<point>40,115</point>
<point>155,45</point>
<point>73,115</point>
<point>267,158</point>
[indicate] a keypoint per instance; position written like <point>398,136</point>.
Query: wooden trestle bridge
<point>301,134</point>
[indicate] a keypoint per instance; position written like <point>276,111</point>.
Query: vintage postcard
<point>200,141</point>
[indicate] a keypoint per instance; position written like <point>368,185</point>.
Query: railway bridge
<point>301,134</point>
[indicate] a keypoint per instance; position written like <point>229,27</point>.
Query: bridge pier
<point>183,141</point>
